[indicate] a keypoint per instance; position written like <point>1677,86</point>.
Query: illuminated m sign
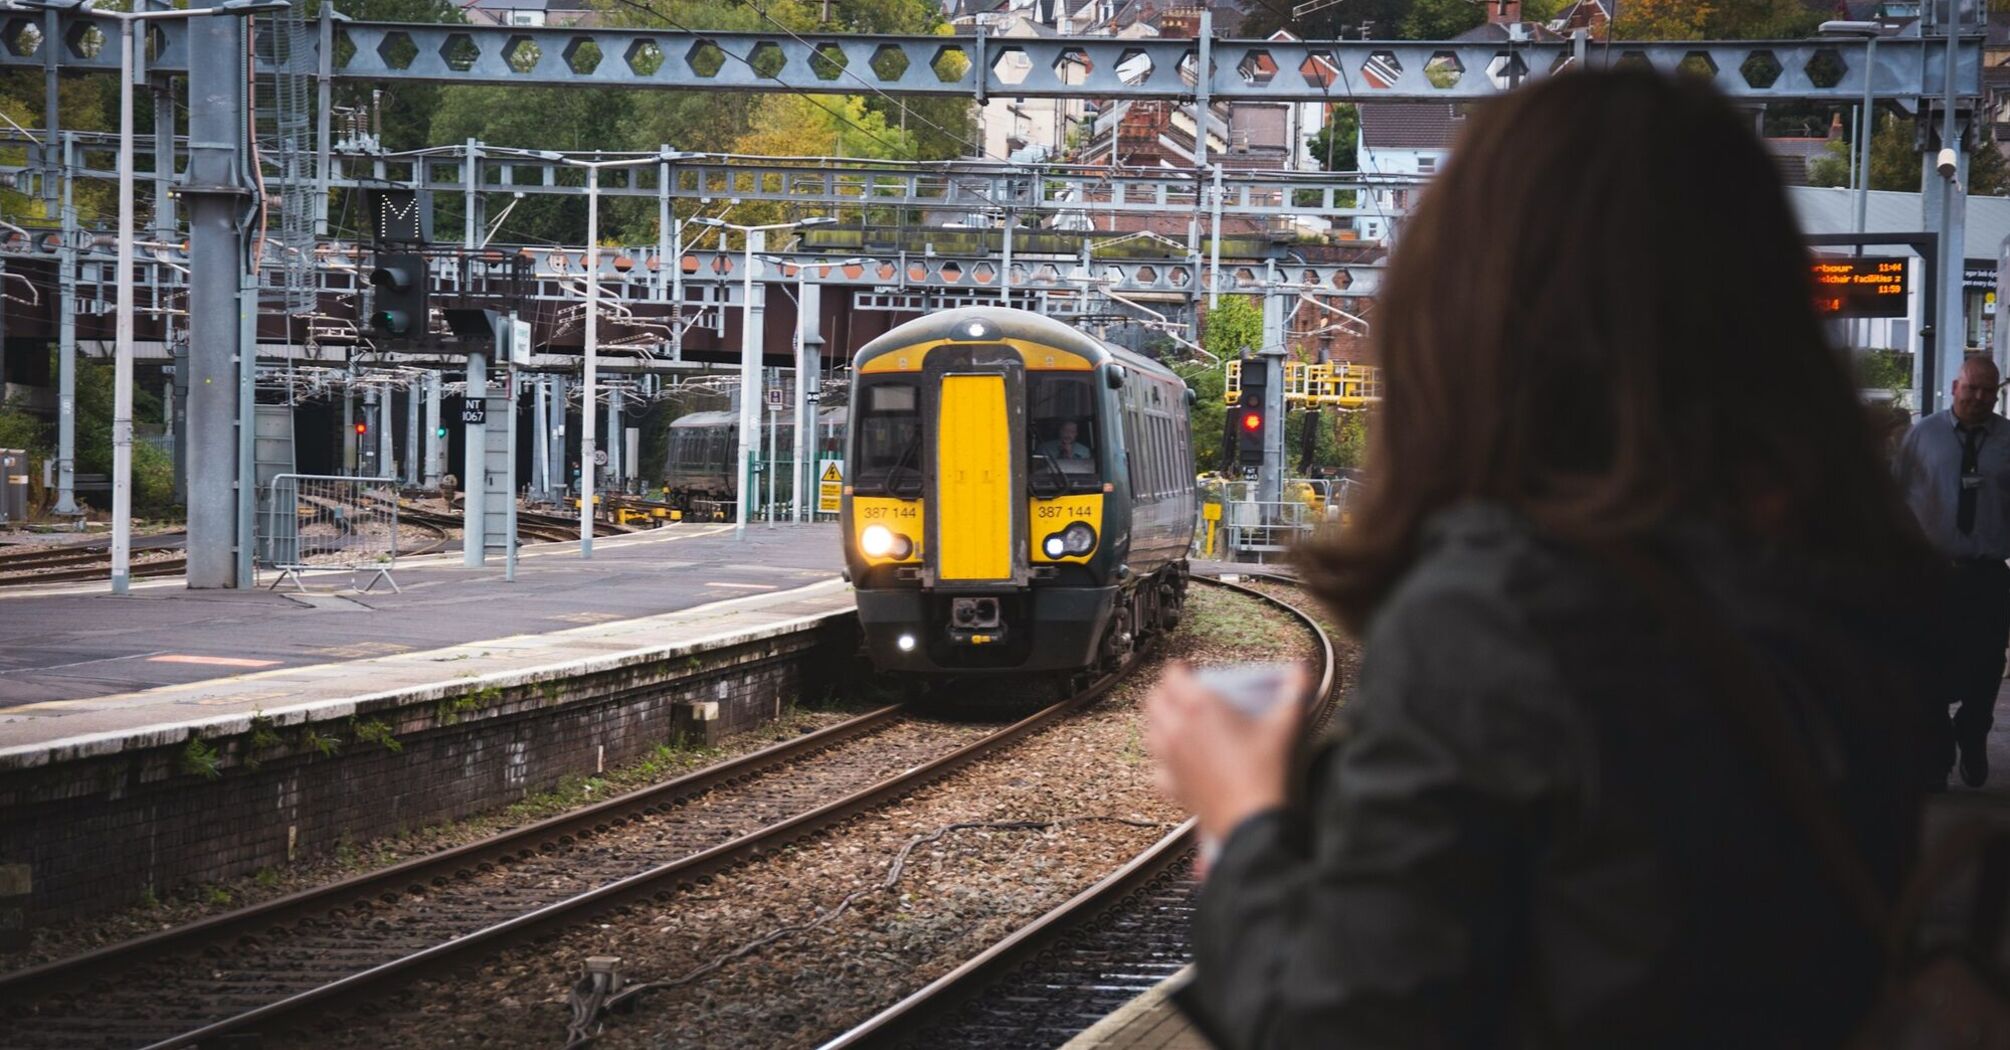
<point>395,217</point>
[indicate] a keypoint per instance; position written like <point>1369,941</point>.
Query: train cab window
<point>1061,430</point>
<point>888,454</point>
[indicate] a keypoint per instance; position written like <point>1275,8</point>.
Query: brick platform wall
<point>100,832</point>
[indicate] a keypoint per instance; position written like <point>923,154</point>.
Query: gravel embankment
<point>955,895</point>
<point>196,902</point>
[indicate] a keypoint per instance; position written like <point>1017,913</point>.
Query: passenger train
<point>1020,496</point>
<point>698,472</point>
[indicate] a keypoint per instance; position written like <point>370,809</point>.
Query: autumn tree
<point>1715,19</point>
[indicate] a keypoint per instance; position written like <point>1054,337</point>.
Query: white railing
<point>1246,526</point>
<point>325,523</point>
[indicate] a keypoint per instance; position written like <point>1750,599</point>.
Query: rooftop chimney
<point>1503,12</point>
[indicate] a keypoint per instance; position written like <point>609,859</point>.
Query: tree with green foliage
<point>1337,145</point>
<point>1232,325</point>
<point>1895,163</point>
<point>1341,441</point>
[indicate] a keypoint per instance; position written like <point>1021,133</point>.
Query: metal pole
<point>1865,130</point>
<point>324,79</point>
<point>802,399</point>
<point>413,442</point>
<point>348,429</point>
<point>666,264</point>
<point>122,371</point>
<point>1270,480</point>
<point>769,474</point>
<point>587,396</point>
<point>540,423</point>
<point>1954,335</point>
<point>616,464</point>
<point>474,478</point>
<point>387,457</point>
<point>676,285</point>
<point>436,452</point>
<point>470,203</point>
<point>1214,244</point>
<point>509,508</point>
<point>366,459</point>
<point>216,203</point>
<point>66,345</point>
<point>750,378</point>
<point>1005,267</point>
<point>556,437</point>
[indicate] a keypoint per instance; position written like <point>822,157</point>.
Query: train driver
<point>1065,444</point>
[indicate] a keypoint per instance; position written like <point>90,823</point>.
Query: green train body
<point>1020,496</point>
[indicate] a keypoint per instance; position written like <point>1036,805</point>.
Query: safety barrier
<point>319,522</point>
<point>1237,524</point>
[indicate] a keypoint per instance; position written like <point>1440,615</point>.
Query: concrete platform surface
<point>1149,1022</point>
<point>78,664</point>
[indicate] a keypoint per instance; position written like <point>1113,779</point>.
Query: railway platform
<point>233,729</point>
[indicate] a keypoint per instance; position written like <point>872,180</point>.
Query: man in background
<point>1954,469</point>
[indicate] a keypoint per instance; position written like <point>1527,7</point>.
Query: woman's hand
<point>1222,765</point>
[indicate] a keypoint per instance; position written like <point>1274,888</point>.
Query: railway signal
<point>401,282</point>
<point>1249,430</point>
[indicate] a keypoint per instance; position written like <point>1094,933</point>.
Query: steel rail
<point>932,1002</point>
<point>281,1015</point>
<point>525,840</point>
<point>166,567</point>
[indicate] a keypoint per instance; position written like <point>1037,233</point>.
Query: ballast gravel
<point>957,894</point>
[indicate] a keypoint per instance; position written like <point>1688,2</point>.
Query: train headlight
<point>878,541</point>
<point>1075,540</point>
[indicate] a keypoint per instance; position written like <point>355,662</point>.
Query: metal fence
<point>1244,526</point>
<point>324,523</point>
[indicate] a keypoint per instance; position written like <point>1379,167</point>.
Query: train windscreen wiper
<point>1060,476</point>
<point>906,457</point>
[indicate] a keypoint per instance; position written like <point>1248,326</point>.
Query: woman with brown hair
<point>1539,826</point>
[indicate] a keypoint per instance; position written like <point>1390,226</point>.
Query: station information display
<point>1869,286</point>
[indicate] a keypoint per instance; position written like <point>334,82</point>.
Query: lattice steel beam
<point>637,275</point>
<point>1059,67</point>
<point>951,186</point>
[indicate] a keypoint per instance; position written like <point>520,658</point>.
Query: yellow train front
<point>1021,496</point>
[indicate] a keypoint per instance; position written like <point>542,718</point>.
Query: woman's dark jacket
<point>1538,830</point>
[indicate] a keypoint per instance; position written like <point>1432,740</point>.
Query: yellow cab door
<point>973,479</point>
<point>974,408</point>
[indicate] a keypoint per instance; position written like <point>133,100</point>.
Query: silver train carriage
<point>698,472</point>
<point>1020,496</point>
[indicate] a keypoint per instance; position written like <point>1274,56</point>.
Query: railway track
<point>270,968</point>
<point>86,561</point>
<point>1061,973</point>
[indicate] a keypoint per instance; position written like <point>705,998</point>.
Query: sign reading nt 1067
<point>1862,287</point>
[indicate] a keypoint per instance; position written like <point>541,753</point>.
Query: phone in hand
<point>1252,689</point>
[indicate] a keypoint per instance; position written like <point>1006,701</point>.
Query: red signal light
<point>362,428</point>
<point>1252,421</point>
